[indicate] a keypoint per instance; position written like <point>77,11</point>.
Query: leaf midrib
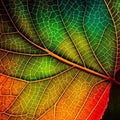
<point>108,78</point>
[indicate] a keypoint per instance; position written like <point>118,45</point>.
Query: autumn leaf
<point>59,59</point>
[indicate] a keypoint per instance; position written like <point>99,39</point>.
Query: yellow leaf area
<point>70,95</point>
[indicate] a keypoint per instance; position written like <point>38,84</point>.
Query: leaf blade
<point>89,63</point>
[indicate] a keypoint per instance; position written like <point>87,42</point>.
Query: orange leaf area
<point>9,90</point>
<point>49,115</point>
<point>4,116</point>
<point>72,105</point>
<point>91,108</point>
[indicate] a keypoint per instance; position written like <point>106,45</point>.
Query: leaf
<point>58,59</point>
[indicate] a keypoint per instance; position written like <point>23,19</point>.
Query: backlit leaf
<point>58,58</point>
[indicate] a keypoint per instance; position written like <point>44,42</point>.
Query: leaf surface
<point>57,58</point>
